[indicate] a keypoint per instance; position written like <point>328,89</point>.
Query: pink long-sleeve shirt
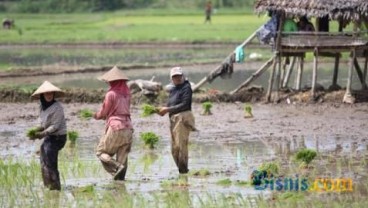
<point>116,111</point>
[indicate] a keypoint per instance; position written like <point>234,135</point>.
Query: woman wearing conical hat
<point>117,138</point>
<point>53,130</point>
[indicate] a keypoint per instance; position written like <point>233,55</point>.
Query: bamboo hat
<point>113,74</point>
<point>47,87</point>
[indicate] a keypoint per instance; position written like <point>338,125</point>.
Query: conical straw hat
<point>113,74</point>
<point>47,87</point>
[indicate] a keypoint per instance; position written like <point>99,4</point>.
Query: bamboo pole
<point>360,74</point>
<point>255,75</point>
<point>348,97</point>
<point>335,72</point>
<point>365,68</point>
<point>300,74</point>
<point>270,81</point>
<point>204,79</point>
<point>314,76</point>
<point>288,72</point>
<point>278,77</point>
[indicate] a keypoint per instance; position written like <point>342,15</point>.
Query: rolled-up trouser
<point>49,160</point>
<point>181,124</point>
<point>115,142</point>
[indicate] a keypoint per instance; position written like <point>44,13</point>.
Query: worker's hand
<point>95,116</point>
<point>163,110</point>
<point>40,128</point>
<point>40,135</point>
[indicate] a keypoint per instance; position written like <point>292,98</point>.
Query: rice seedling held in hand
<point>85,113</point>
<point>150,139</point>
<point>148,110</point>
<point>72,137</point>
<point>31,133</point>
<point>206,108</point>
<point>248,111</point>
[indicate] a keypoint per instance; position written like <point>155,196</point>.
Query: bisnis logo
<point>303,184</point>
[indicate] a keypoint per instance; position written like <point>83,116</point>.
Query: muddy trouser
<point>115,142</point>
<point>181,124</point>
<point>49,160</point>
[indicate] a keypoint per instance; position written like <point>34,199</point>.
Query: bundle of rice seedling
<point>85,113</point>
<point>31,133</point>
<point>148,110</point>
<point>305,156</point>
<point>73,136</point>
<point>248,111</point>
<point>207,108</point>
<point>150,139</point>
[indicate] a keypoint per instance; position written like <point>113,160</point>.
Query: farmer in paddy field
<point>53,129</point>
<point>179,107</point>
<point>119,130</point>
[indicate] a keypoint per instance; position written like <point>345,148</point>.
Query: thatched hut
<point>326,43</point>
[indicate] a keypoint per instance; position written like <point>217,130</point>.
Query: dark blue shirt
<point>180,98</point>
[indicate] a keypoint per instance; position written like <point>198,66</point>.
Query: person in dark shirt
<point>179,107</point>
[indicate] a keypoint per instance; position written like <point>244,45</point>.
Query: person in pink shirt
<point>117,139</point>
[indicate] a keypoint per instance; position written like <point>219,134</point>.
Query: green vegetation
<point>149,110</point>
<point>31,133</point>
<point>201,173</point>
<point>248,111</point>
<point>72,138</point>
<point>270,167</point>
<point>305,156</point>
<point>150,139</point>
<point>123,27</point>
<point>206,106</point>
<point>86,113</point>
<point>224,182</point>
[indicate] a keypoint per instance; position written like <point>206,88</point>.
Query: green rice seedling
<point>248,111</point>
<point>242,183</point>
<point>271,168</point>
<point>207,108</point>
<point>72,137</point>
<point>85,113</point>
<point>201,173</point>
<point>31,133</point>
<point>305,156</point>
<point>150,139</point>
<point>224,182</point>
<point>149,110</point>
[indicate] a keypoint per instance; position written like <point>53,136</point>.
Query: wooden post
<point>314,76</point>
<point>365,68</point>
<point>348,97</point>
<point>288,72</point>
<point>300,74</point>
<point>278,77</point>
<point>270,81</point>
<point>277,59</point>
<point>258,73</point>
<point>334,85</point>
<point>204,79</point>
<point>360,74</point>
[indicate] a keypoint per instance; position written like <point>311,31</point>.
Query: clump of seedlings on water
<point>305,156</point>
<point>265,171</point>
<point>248,111</point>
<point>150,139</point>
<point>72,138</point>
<point>148,110</point>
<point>206,106</point>
<point>85,113</point>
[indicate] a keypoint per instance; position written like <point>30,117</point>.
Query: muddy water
<point>74,58</point>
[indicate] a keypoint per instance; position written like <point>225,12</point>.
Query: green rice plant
<point>271,168</point>
<point>207,108</point>
<point>248,111</point>
<point>201,173</point>
<point>31,133</point>
<point>305,156</point>
<point>224,182</point>
<point>72,138</point>
<point>85,113</point>
<point>148,110</point>
<point>150,139</point>
<point>242,183</point>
